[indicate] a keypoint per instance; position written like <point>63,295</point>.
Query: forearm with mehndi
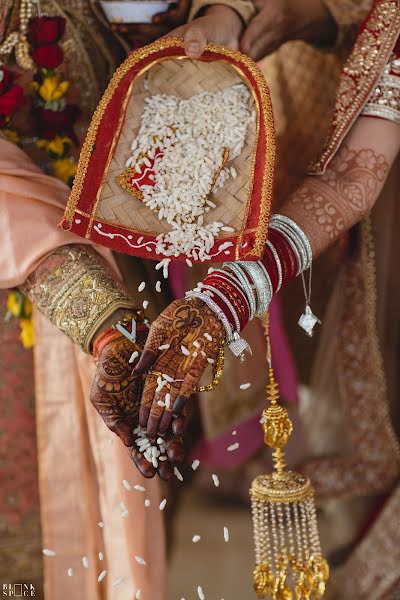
<point>77,291</point>
<point>327,206</point>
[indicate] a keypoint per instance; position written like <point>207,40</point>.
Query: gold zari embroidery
<point>76,291</point>
<point>360,75</point>
<point>384,101</point>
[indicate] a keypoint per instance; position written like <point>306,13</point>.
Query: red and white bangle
<point>239,291</point>
<point>384,102</point>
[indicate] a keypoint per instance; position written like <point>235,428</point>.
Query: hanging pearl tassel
<point>289,561</point>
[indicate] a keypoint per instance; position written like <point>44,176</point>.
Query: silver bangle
<point>297,237</point>
<point>262,285</point>
<point>245,285</point>
<point>278,263</point>
<point>226,301</point>
<point>215,309</point>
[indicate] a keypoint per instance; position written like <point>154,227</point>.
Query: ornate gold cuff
<point>244,8</point>
<point>77,291</point>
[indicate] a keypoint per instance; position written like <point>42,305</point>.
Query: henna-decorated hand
<point>182,342</point>
<point>116,394</point>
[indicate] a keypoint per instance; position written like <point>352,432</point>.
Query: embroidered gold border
<point>159,45</point>
<point>363,81</point>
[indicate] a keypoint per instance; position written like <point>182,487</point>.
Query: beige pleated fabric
<point>81,463</point>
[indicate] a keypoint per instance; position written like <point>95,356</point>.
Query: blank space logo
<point>18,590</point>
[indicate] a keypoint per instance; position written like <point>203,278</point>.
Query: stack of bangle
<point>239,291</point>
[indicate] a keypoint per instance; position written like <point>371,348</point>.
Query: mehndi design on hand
<point>116,394</point>
<point>182,342</point>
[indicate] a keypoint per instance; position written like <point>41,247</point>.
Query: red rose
<point>52,123</point>
<point>48,56</point>
<point>11,100</point>
<point>45,30</point>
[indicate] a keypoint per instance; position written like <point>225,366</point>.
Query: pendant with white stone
<point>238,346</point>
<point>308,321</point>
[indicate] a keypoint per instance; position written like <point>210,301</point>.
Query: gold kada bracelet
<point>76,290</point>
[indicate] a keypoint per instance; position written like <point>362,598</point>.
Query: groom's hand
<point>279,21</point>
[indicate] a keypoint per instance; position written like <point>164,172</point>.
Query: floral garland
<point>54,118</point>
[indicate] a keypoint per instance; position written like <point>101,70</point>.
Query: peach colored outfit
<point>81,463</point>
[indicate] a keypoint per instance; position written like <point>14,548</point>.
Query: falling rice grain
<point>140,560</point>
<point>139,488</point>
<point>215,480</point>
<point>145,304</point>
<point>164,347</point>
<point>178,474</point>
<point>200,593</point>
<point>70,572</point>
<point>185,351</point>
<point>245,386</point>
<point>48,552</point>
<point>158,286</point>
<point>101,556</point>
<point>233,447</point>
<point>162,504</point>
<point>142,286</point>
<point>147,503</point>
<point>85,562</point>
<point>126,485</point>
<point>138,594</point>
<point>195,464</point>
<point>133,357</point>
<point>100,524</point>
<point>196,538</point>
<point>226,534</point>
<point>101,576</point>
<point>117,582</point>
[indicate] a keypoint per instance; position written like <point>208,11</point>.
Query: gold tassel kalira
<point>289,561</point>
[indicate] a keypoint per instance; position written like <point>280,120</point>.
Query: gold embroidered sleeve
<point>244,8</point>
<point>77,291</point>
<point>384,101</point>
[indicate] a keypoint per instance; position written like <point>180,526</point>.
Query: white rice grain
<point>48,552</point>
<point>245,386</point>
<point>101,576</point>
<point>163,504</point>
<point>226,534</point>
<point>195,464</point>
<point>215,480</point>
<point>126,485</point>
<point>200,593</point>
<point>140,560</point>
<point>142,286</point>
<point>196,538</point>
<point>233,447</point>
<point>85,562</point>
<point>178,474</point>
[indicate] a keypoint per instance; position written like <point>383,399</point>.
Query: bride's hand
<point>116,394</point>
<point>221,25</point>
<point>182,342</point>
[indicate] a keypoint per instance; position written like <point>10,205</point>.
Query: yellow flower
<point>53,88</point>
<point>11,135</point>
<point>57,147</point>
<point>64,169</point>
<point>19,305</point>
<point>27,335</point>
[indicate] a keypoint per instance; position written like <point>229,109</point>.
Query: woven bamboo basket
<point>102,206</point>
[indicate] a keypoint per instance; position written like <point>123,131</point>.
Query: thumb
<point>195,40</point>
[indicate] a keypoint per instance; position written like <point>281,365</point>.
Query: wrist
<point>228,13</point>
